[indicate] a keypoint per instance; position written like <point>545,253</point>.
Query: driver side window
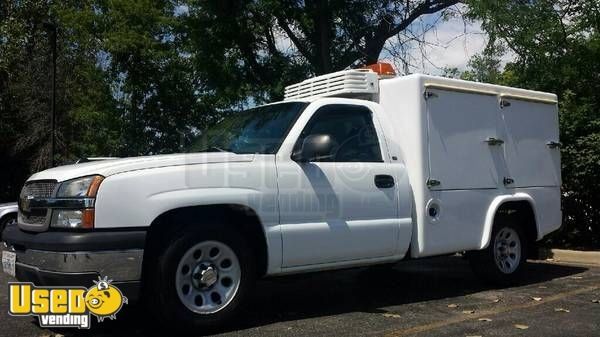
<point>351,130</point>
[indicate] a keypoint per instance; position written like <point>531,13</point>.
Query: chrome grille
<point>38,217</point>
<point>33,219</point>
<point>38,189</point>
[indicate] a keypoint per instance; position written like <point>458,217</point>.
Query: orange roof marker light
<point>384,70</point>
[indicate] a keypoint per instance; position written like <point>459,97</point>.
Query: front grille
<point>38,189</point>
<point>33,219</point>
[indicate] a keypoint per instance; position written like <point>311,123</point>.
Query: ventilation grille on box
<point>342,83</point>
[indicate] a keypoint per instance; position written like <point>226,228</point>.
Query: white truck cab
<point>351,169</point>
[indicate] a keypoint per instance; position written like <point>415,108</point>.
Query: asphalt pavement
<point>430,297</point>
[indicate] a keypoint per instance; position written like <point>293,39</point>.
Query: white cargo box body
<point>470,145</point>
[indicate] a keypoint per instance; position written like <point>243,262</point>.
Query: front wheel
<point>503,260</point>
<point>201,278</point>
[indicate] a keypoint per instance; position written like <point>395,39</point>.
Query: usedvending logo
<point>66,307</point>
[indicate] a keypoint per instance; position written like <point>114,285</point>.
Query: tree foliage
<point>83,104</point>
<point>142,77</point>
<point>264,45</point>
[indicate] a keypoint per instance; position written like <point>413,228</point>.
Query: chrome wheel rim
<point>208,277</point>
<point>507,250</point>
<point>12,221</point>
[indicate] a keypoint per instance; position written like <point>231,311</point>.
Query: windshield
<point>259,130</point>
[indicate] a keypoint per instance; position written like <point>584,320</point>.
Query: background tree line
<point>142,77</point>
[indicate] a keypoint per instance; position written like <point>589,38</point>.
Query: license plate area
<point>9,260</point>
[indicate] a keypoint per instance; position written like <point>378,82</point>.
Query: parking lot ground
<point>430,297</point>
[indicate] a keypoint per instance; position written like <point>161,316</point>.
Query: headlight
<point>73,218</point>
<point>80,187</point>
<point>81,192</point>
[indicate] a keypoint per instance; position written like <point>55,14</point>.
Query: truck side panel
<point>545,202</point>
<point>150,193</point>
<point>481,150</point>
<point>471,147</point>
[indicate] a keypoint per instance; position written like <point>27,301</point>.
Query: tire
<point>178,299</point>
<point>7,220</point>
<point>503,261</point>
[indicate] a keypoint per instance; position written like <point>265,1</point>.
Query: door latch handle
<point>553,144</point>
<point>432,183</point>
<point>508,181</point>
<point>494,141</point>
<point>384,181</point>
<point>504,103</point>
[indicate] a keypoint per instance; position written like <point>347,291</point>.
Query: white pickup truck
<point>351,169</point>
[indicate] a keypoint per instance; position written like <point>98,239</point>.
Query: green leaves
<point>142,77</point>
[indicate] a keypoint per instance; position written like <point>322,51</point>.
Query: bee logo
<point>104,300</point>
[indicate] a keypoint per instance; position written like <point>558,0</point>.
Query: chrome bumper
<point>118,265</point>
<point>56,258</point>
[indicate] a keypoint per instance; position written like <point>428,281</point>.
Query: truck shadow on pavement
<point>370,290</point>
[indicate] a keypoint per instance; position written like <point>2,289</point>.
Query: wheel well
<point>8,215</point>
<point>4,218</point>
<point>240,217</point>
<point>522,214</point>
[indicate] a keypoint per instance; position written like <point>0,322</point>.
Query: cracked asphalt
<point>430,297</point>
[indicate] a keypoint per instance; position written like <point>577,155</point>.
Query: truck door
<point>345,206</point>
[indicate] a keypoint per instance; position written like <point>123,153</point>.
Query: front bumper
<point>78,258</point>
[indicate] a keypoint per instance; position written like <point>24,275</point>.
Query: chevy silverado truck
<point>354,168</point>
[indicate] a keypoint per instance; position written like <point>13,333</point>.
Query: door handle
<point>384,181</point>
<point>553,144</point>
<point>494,141</point>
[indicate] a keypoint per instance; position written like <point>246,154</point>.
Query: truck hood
<point>110,167</point>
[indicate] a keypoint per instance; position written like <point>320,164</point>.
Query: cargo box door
<point>458,126</point>
<point>531,143</point>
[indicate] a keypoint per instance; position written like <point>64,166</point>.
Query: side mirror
<point>313,147</point>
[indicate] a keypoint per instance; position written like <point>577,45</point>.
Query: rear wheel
<point>201,278</point>
<point>503,260</point>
